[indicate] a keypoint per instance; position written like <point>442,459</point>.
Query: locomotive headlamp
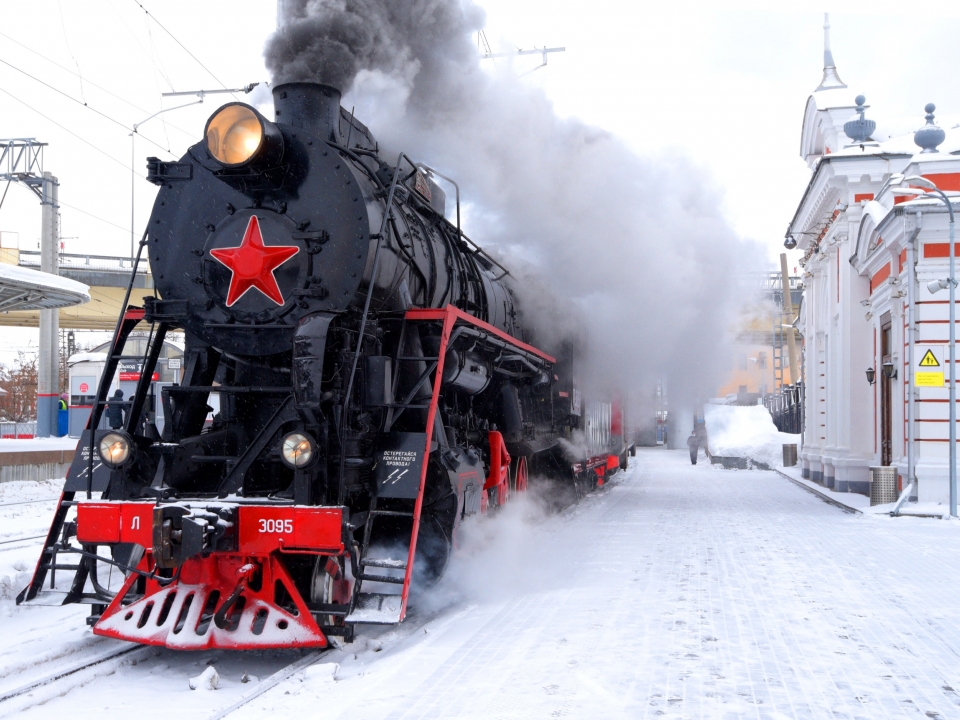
<point>114,449</point>
<point>235,134</point>
<point>298,450</point>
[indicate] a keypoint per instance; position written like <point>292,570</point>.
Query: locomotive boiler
<point>375,387</point>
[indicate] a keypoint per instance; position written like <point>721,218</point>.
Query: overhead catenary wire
<point>83,104</point>
<point>196,59</point>
<point>92,84</point>
<point>67,130</point>
<point>66,40</point>
<point>95,217</point>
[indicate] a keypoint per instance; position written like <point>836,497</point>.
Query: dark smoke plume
<point>637,247</point>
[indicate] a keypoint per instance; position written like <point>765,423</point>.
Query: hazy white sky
<point>724,83</point>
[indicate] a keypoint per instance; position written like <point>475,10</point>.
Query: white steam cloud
<point>633,251</point>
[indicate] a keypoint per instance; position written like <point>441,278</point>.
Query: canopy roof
<point>26,289</point>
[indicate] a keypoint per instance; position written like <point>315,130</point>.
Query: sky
<point>721,84</point>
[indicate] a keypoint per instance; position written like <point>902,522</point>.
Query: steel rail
<point>271,682</point>
<point>69,670</point>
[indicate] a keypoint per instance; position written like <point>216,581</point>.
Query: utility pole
<point>48,366</point>
<point>21,160</point>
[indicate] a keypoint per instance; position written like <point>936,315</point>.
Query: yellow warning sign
<point>928,379</point>
<point>929,360</point>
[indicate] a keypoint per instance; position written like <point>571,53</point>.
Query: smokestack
<point>311,106</point>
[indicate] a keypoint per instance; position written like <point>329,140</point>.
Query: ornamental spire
<point>831,79</point>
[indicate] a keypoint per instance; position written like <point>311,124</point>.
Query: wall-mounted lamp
<point>889,370</point>
<point>936,286</point>
<point>871,375</point>
<point>790,243</point>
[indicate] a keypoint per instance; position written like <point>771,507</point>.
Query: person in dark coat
<point>115,411</point>
<point>697,440</point>
<point>693,442</point>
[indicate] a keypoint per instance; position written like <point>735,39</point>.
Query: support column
<point>48,364</point>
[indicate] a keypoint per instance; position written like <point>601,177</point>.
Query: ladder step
<point>416,357</point>
<point>376,609</point>
<point>384,563</point>
<point>394,513</point>
<point>383,579</point>
<point>329,609</point>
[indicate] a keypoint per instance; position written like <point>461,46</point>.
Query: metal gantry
<point>21,160</point>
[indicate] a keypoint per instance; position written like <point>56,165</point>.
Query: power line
<point>91,83</point>
<point>83,104</point>
<point>71,132</point>
<point>79,210</point>
<point>95,217</point>
<point>160,25</point>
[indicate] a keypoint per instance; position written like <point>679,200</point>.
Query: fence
<point>10,430</point>
<point>785,408</point>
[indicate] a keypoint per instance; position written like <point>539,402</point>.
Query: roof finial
<point>929,136</point>
<point>831,79</point>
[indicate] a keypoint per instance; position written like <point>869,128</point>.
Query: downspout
<point>912,330</point>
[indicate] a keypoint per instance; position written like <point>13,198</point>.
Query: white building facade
<point>868,256</point>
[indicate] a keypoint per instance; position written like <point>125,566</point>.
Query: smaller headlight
<point>298,450</point>
<point>114,449</point>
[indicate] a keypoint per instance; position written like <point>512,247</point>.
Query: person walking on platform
<point>115,410</point>
<point>697,439</point>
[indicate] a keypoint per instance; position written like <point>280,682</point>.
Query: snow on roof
<point>87,357</point>
<point>26,289</point>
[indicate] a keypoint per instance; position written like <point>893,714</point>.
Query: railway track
<point>271,682</point>
<point>23,539</point>
<point>27,502</point>
<point>103,662</point>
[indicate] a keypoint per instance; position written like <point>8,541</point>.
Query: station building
<point>868,318</point>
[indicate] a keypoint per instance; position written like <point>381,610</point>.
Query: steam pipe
<point>388,212</point>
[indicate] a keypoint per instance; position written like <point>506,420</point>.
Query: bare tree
<point>20,384</point>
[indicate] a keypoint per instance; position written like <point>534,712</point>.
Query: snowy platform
<point>852,502</point>
<point>677,591</point>
<point>63,444</point>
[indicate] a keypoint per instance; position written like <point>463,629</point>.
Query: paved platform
<point>677,592</point>
<point>686,592</point>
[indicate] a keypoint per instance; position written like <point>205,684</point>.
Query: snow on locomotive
<point>375,388</point>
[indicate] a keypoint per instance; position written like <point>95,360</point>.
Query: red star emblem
<point>252,264</point>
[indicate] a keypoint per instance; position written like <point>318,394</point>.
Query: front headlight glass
<point>234,134</point>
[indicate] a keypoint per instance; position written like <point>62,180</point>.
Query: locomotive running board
<point>388,609</point>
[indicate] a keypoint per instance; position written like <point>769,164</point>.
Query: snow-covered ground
<point>745,431</point>
<point>37,444</point>
<point>679,591</point>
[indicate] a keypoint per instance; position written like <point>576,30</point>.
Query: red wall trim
<point>881,275</point>
<point>940,250</point>
<point>945,181</point>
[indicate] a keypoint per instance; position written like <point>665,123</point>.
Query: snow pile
<point>209,679</point>
<point>745,431</point>
<point>324,672</point>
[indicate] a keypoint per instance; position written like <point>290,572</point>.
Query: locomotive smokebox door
<point>400,465</point>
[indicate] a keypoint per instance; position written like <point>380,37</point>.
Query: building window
<point>762,360</point>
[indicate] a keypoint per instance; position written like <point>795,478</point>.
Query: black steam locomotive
<point>356,381</point>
